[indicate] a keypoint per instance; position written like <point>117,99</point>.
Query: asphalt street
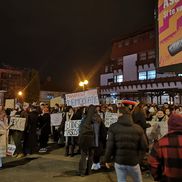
<point>52,167</point>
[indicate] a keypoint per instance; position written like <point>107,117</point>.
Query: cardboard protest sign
<point>56,100</point>
<point>56,119</point>
<point>17,123</point>
<point>110,118</point>
<point>11,149</point>
<point>85,98</point>
<point>72,128</point>
<point>9,104</point>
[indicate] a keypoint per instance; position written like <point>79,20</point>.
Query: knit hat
<point>175,122</point>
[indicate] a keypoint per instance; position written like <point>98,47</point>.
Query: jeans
<point>123,170</point>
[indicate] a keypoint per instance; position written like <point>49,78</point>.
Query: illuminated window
<point>180,74</point>
<point>118,78</point>
<point>142,75</point>
<point>151,74</point>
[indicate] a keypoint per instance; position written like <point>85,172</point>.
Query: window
<point>142,56</point>
<point>151,54</point>
<point>151,74</point>
<point>143,75</point>
<point>120,61</point>
<point>118,78</point>
<point>180,74</point>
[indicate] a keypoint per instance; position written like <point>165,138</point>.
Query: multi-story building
<point>132,72</point>
<point>11,81</point>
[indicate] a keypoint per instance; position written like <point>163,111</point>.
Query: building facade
<point>132,72</point>
<point>11,81</point>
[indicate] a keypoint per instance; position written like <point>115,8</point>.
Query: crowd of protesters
<point>126,143</point>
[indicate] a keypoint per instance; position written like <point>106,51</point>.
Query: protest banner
<point>56,100</point>
<point>85,98</point>
<point>17,123</point>
<point>9,104</point>
<point>110,118</point>
<point>56,119</point>
<point>72,128</point>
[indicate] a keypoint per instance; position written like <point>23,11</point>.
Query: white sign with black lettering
<point>17,123</point>
<point>56,119</point>
<point>110,118</point>
<point>85,98</point>
<point>72,128</point>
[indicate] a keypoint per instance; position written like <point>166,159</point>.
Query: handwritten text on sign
<point>110,118</point>
<point>85,98</point>
<point>56,119</point>
<point>72,128</point>
<point>17,123</point>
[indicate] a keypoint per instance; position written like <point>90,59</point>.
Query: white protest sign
<point>56,100</point>
<point>11,149</point>
<point>17,123</point>
<point>9,104</point>
<point>72,128</point>
<point>85,98</point>
<point>110,118</point>
<point>56,119</point>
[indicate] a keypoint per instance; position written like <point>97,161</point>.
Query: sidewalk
<point>51,167</point>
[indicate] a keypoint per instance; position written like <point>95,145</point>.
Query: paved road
<point>51,167</point>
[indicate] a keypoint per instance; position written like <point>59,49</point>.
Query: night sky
<point>67,39</point>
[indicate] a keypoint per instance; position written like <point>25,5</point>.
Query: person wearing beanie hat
<point>165,158</point>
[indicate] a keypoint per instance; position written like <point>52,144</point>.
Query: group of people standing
<point>126,142</point>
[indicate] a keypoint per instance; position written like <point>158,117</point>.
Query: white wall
<point>104,78</point>
<point>129,67</point>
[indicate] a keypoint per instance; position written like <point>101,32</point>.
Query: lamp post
<point>83,83</point>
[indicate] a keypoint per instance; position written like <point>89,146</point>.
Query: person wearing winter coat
<point>100,134</point>
<point>44,121</point>
<point>87,142</point>
<point>125,142</point>
<point>30,142</point>
<point>166,156</point>
<point>3,136</point>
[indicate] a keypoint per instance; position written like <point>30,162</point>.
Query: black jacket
<point>125,142</point>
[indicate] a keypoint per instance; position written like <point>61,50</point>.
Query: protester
<point>160,116</point>
<point>70,140</point>
<point>139,116</point>
<point>166,156</point>
<point>87,142</point>
<point>44,129</point>
<point>30,143</point>
<point>100,134</point>
<point>3,136</point>
<point>125,141</point>
<point>16,134</point>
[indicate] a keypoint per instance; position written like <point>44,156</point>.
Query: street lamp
<point>83,83</point>
<point>20,93</point>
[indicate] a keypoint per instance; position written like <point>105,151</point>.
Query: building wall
<point>129,67</point>
<point>11,80</point>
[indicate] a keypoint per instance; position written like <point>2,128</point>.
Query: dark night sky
<point>64,38</point>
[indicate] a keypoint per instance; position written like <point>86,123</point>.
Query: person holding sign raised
<point>70,140</point>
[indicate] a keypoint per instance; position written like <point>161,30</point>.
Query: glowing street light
<point>20,93</point>
<point>83,83</point>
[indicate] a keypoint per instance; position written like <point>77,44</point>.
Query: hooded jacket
<point>125,141</point>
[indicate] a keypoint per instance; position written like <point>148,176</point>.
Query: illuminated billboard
<point>170,32</point>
